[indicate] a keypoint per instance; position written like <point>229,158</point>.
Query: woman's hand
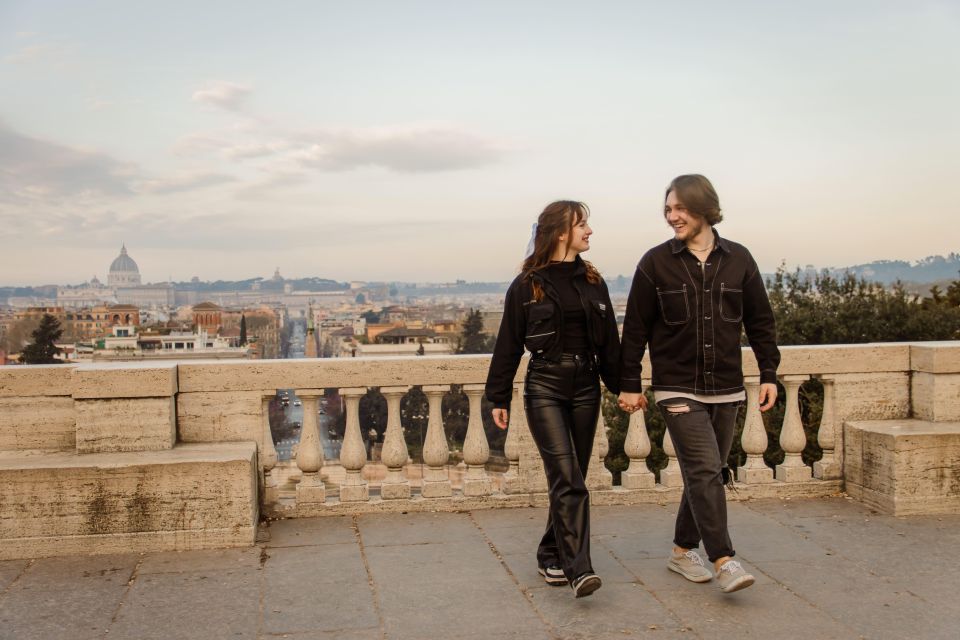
<point>631,402</point>
<point>501,417</point>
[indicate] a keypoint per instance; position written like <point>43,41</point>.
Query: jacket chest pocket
<point>598,322</point>
<point>541,327</point>
<point>674,306</point>
<point>731,303</point>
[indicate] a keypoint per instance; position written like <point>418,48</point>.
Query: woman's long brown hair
<point>558,218</point>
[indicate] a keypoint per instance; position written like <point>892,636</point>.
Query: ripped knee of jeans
<point>677,408</point>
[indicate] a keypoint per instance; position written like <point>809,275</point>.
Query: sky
<point>419,140</point>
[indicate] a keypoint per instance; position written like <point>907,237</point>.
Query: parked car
<point>296,403</point>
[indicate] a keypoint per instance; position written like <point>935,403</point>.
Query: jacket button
<point>706,290</point>
<point>706,317</point>
<point>706,346</point>
<point>706,373</point>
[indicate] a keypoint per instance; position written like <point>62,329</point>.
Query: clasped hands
<point>632,401</point>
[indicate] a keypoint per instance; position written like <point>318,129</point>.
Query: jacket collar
<point>543,274</point>
<point>676,246</point>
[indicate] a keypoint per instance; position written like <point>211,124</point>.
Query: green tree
<point>827,309</point>
<point>44,350</point>
<point>472,338</point>
<point>243,330</point>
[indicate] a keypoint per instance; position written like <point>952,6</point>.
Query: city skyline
<point>419,142</point>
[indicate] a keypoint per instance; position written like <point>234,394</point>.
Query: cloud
<point>198,144</point>
<point>31,53</point>
<point>256,150</point>
<point>186,182</point>
<point>411,149</point>
<point>225,95</point>
<point>31,168</point>
<point>277,179</point>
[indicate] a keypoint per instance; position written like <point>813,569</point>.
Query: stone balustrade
<point>160,447</point>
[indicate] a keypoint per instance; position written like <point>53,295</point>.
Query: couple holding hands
<point>689,300</point>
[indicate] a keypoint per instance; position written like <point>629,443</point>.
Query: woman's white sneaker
<point>585,584</point>
<point>732,577</point>
<point>552,575</point>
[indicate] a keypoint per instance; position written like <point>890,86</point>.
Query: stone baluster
<point>792,438</point>
<point>670,476</point>
<point>436,453</point>
<point>637,447</point>
<point>754,438</point>
<point>476,450</point>
<point>268,452</point>
<point>353,455</point>
<point>598,476</point>
<point>827,467</point>
<point>394,454</point>
<point>309,452</point>
<point>511,446</point>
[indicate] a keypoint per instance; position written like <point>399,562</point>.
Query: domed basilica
<point>123,271</point>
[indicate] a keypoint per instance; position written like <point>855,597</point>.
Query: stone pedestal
<point>904,467</point>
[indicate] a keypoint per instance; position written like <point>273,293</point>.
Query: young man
<point>690,297</point>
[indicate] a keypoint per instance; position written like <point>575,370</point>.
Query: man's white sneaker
<point>690,566</point>
<point>732,577</point>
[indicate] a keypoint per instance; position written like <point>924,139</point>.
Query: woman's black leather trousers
<point>562,403</point>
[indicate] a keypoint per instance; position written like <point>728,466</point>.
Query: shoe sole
<point>740,583</point>
<point>587,587</point>
<point>689,576</point>
<point>553,582</point>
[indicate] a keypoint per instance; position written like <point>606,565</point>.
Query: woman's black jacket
<point>538,328</point>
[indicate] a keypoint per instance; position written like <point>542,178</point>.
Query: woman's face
<point>579,237</point>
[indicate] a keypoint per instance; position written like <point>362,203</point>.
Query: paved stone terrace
<point>827,568</point>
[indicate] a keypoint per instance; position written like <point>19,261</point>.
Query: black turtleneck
<point>574,319</point>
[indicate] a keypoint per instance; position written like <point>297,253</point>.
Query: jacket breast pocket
<point>598,321</point>
<point>674,305</point>
<point>541,327</point>
<point>731,303</point>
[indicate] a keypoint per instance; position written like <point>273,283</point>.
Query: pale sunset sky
<point>418,140</point>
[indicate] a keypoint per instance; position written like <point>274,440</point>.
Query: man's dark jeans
<point>702,435</point>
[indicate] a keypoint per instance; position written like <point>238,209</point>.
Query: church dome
<point>123,262</point>
<point>123,270</point>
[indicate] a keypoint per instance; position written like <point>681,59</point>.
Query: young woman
<point>559,310</point>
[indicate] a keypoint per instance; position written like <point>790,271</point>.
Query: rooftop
<point>826,568</point>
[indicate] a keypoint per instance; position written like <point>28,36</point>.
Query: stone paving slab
<point>826,568</point>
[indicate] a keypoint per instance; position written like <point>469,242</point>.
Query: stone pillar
<point>637,447</point>
<point>268,453</point>
<point>394,453</point>
<point>670,476</point>
<point>511,446</point>
<point>353,455</point>
<point>792,438</point>
<point>310,490</point>
<point>436,453</point>
<point>827,467</point>
<point>754,438</point>
<point>476,449</point>
<point>533,478</point>
<point>599,477</point>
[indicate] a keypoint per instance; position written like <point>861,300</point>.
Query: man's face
<point>685,224</point>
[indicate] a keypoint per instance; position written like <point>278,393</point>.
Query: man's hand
<point>631,402</point>
<point>768,395</point>
<point>501,418</point>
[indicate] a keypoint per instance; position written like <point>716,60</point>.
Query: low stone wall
<point>189,497</point>
<point>127,456</point>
